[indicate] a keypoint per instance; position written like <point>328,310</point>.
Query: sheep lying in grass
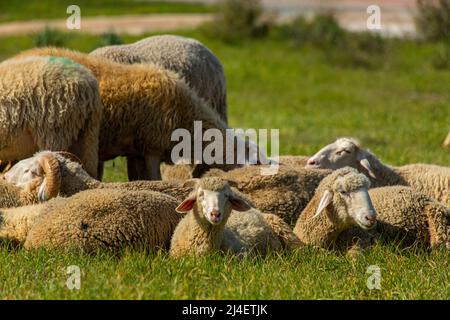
<point>401,213</point>
<point>49,103</point>
<point>143,105</point>
<point>340,202</point>
<point>284,194</point>
<point>94,220</point>
<point>66,169</point>
<point>431,180</point>
<point>106,219</point>
<point>184,171</point>
<point>210,225</point>
<point>34,190</point>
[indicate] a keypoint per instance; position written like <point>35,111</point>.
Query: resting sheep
<point>284,194</point>
<point>94,220</point>
<point>340,202</point>
<point>104,220</point>
<point>49,103</point>
<point>401,214</point>
<point>210,225</point>
<point>143,105</point>
<point>431,180</point>
<point>68,178</point>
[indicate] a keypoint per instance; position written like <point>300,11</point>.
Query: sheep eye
<point>344,193</point>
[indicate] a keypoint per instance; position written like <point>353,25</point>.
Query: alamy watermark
<point>238,146</point>
<point>374,20</point>
<point>374,280</point>
<point>74,20</point>
<point>74,280</point>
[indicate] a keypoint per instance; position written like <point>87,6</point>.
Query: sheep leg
<point>100,170</point>
<point>447,141</point>
<point>438,225</point>
<point>152,163</point>
<point>137,169</point>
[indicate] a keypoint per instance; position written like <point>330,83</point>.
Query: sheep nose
<point>215,213</point>
<point>371,218</point>
<point>311,162</point>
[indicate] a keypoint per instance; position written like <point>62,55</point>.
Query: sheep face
<point>344,152</point>
<point>348,201</point>
<point>23,172</point>
<point>212,200</point>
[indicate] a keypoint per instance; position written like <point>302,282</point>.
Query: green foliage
<point>50,37</point>
<point>109,38</point>
<point>237,20</point>
<point>14,10</point>
<point>341,47</point>
<point>433,20</point>
<point>441,59</point>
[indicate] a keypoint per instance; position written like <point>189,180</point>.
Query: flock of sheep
<point>74,111</point>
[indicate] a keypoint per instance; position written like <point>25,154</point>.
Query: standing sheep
<point>189,58</point>
<point>143,105</point>
<point>210,224</point>
<point>431,180</point>
<point>49,103</point>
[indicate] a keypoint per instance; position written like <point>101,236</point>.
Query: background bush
<point>50,37</point>
<point>433,19</point>
<point>237,20</point>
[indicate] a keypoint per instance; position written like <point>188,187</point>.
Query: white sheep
<point>210,225</point>
<point>49,103</point>
<point>143,105</point>
<point>355,216</point>
<point>94,220</point>
<point>431,180</point>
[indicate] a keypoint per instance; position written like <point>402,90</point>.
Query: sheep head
<point>212,201</point>
<point>345,199</point>
<point>40,174</point>
<point>339,154</point>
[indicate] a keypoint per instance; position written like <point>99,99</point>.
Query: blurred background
<point>310,68</point>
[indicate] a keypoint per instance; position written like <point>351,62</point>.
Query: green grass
<point>400,111</point>
<point>15,10</point>
<point>306,274</point>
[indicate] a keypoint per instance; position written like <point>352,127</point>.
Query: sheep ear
<point>186,205</point>
<point>238,204</point>
<point>324,202</point>
<point>364,162</point>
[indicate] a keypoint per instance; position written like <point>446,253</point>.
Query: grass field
<point>16,10</point>
<point>400,111</point>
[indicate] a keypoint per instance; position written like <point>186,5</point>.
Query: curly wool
<point>49,113</point>
<point>12,196</point>
<point>105,220</point>
<point>143,105</point>
<point>189,58</point>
